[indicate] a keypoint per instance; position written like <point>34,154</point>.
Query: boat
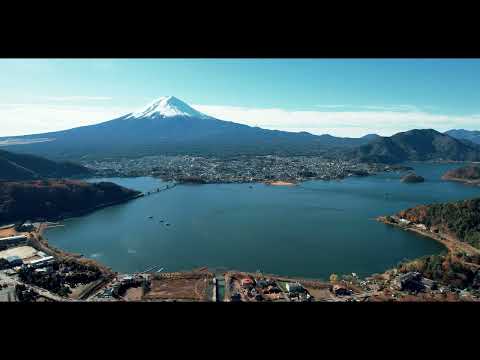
<point>150,217</point>
<point>167,224</point>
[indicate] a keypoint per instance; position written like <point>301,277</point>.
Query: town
<point>241,169</point>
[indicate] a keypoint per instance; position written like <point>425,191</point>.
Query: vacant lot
<point>23,252</point>
<point>7,232</point>
<point>320,294</point>
<point>185,286</point>
<point>134,294</point>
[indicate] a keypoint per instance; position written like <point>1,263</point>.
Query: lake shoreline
<point>309,198</point>
<point>80,213</point>
<point>280,183</point>
<point>39,240</point>
<point>463,181</point>
<point>451,243</point>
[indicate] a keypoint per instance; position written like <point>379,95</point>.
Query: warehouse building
<point>14,240</point>
<point>42,262</point>
<point>14,261</point>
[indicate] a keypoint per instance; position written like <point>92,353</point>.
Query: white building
<point>13,240</point>
<point>42,262</point>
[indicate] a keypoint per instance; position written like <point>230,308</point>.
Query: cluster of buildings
<point>118,286</point>
<point>28,268</point>
<point>16,254</point>
<point>19,253</point>
<point>237,169</point>
<point>248,288</point>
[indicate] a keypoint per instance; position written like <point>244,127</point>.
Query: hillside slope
<point>417,145</point>
<point>28,167</point>
<point>465,173</point>
<point>460,219</point>
<point>54,199</point>
<point>461,134</point>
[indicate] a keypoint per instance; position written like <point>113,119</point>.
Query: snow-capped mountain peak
<point>167,106</point>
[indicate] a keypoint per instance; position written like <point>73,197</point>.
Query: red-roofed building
<point>247,282</point>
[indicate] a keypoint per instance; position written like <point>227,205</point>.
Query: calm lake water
<point>311,230</point>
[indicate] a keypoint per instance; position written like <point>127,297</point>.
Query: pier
<point>151,269</point>
<point>218,293</point>
<point>214,295</point>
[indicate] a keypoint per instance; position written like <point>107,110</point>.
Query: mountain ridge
<point>170,126</point>
<point>416,145</point>
<point>462,134</point>
<point>167,106</point>
<point>29,167</point>
<point>56,199</point>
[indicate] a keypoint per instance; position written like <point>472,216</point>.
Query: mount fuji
<point>167,106</point>
<point>169,126</point>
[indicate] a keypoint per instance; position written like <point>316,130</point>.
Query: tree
<point>333,278</point>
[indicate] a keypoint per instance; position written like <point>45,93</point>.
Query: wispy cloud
<point>77,98</point>
<point>334,106</point>
<point>400,107</point>
<point>384,121</point>
<point>23,119</point>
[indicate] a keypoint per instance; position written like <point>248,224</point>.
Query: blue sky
<point>345,97</point>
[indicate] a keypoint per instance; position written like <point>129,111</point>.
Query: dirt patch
<point>134,294</point>
<point>181,286</point>
<point>23,252</point>
<point>320,294</point>
<point>8,232</point>
<point>281,183</point>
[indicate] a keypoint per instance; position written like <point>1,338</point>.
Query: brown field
<point>134,294</point>
<point>7,232</point>
<point>184,286</point>
<point>23,252</point>
<point>320,294</point>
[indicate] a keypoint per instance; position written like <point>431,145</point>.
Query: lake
<point>310,230</point>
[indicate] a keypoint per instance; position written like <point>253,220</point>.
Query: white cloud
<point>385,121</point>
<point>371,107</point>
<point>77,98</point>
<point>22,119</point>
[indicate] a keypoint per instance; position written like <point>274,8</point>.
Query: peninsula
<point>56,199</point>
<point>456,225</point>
<point>468,174</point>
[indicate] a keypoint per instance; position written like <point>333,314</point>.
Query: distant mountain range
<point>29,167</point>
<point>169,126</point>
<point>473,136</point>
<point>416,145</point>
